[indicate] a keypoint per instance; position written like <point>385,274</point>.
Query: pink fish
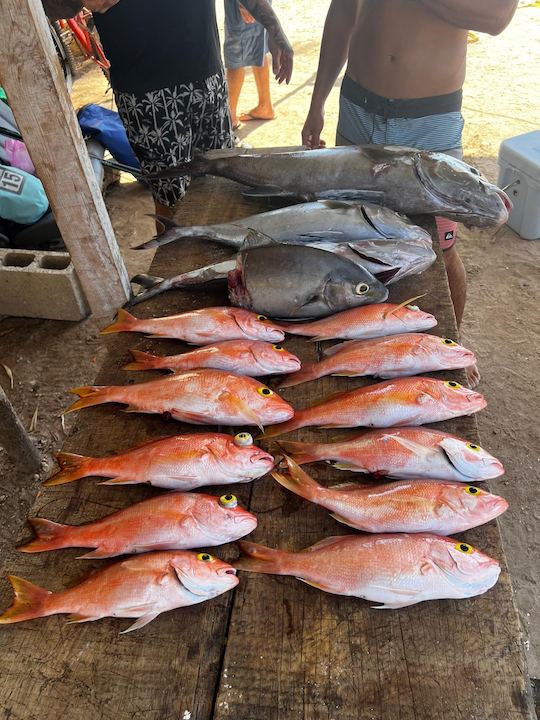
<point>173,521</point>
<point>140,587</point>
<point>200,327</point>
<point>435,506</point>
<point>386,357</point>
<point>242,357</point>
<point>408,452</point>
<point>405,401</point>
<point>200,397</point>
<point>395,569</point>
<point>180,462</point>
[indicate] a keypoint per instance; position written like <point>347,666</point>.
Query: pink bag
<point>18,156</point>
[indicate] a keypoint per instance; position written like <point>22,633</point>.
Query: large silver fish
<point>407,180</point>
<point>283,281</point>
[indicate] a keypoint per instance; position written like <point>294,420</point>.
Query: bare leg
<point>235,80</point>
<point>165,211</point>
<point>264,109</point>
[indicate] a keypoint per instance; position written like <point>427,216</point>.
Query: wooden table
<point>275,648</point>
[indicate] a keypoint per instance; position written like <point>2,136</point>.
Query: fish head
<point>275,358</point>
<point>353,289</point>
<point>234,521</point>
<point>414,319</point>
<point>450,353</point>
<point>459,190</point>
<point>472,503</point>
<point>470,459</point>
<point>265,404</point>
<point>469,571</point>
<point>244,460</point>
<point>257,326</point>
<point>203,574</point>
<point>457,398</point>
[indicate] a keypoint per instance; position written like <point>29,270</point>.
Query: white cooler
<point>519,163</point>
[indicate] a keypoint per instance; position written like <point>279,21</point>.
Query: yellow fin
<point>247,413</point>
<point>319,586</point>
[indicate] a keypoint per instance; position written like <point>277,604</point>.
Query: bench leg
<point>14,438</point>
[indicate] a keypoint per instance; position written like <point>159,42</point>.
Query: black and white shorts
<point>165,127</point>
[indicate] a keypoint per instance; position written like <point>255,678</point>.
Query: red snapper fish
<point>386,357</point>
<point>405,401</point>
<point>180,462</point>
<point>394,569</point>
<point>434,506</point>
<point>140,587</point>
<point>242,357</point>
<point>173,521</point>
<point>365,322</point>
<point>408,452</point>
<point>201,397</point>
<point>200,327</point>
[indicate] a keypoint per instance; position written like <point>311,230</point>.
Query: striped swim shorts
<point>432,123</point>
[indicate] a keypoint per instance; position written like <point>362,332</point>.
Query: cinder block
<point>40,284</point>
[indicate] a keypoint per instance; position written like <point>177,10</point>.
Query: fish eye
<point>228,501</point>
<point>474,447</point>
<point>447,341</point>
<point>205,557</point>
<point>471,490</point>
<point>452,384</point>
<point>464,548</point>
<point>243,439</point>
<point>278,347</point>
<point>264,391</point>
<point>361,288</point>
<point>262,318</point>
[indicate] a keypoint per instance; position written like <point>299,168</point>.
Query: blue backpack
<point>105,126</point>
<point>22,197</point>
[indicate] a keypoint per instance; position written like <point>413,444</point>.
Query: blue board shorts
<point>431,123</point>
<point>246,44</point>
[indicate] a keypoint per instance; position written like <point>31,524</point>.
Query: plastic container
<point>519,167</point>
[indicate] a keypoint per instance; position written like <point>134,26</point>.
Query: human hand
<point>282,59</point>
<point>246,17</point>
<point>311,132</point>
<point>99,6</point>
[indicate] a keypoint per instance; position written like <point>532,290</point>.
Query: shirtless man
<point>405,70</point>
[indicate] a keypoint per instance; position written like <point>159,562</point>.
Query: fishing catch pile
<point>320,269</point>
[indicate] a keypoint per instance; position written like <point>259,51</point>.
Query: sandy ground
<point>502,99</point>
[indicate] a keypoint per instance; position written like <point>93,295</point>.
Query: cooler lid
<point>523,152</point>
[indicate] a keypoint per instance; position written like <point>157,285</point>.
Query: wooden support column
<point>31,75</point>
<point>14,438</point>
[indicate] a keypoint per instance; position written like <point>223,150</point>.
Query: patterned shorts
<point>165,127</point>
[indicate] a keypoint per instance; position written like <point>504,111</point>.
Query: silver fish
<point>407,180</point>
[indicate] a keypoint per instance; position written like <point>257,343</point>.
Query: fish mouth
<point>227,571</point>
<point>263,459</point>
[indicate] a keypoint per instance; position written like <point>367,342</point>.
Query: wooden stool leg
<point>14,438</point>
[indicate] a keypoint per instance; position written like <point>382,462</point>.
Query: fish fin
<point>141,361</point>
<point>165,222</point>
<point>119,481</point>
<point>97,554</point>
<point>344,487</point>
<point>341,519</point>
<point>125,322</point>
<point>255,238</point>
<point>73,467</point>
<point>245,411</point>
<point>333,349</point>
<point>29,601</point>
<point>131,409</point>
<point>324,235</point>
<point>282,428</point>
<point>258,558</point>
<point>392,606</point>
<point>75,618</point>
<point>89,395</point>
<point>306,374</point>
<point>168,227</point>
<point>141,622</point>
<point>298,481</point>
<point>189,583</point>
<point>374,196</point>
<point>325,542</point>
<point>49,536</point>
<point>402,305</point>
<point>262,191</point>
<point>428,567</point>
<point>345,466</point>
<point>146,281</point>
<point>301,453</point>
<point>318,586</point>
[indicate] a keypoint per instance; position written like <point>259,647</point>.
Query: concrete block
<point>40,284</point>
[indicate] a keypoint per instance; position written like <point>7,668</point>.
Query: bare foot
<point>473,376</point>
<point>258,114</point>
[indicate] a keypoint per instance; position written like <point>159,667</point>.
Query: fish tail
<point>125,322</point>
<point>89,395</point>
<point>261,559</point>
<point>298,481</point>
<point>282,428</point>
<point>30,602</point>
<point>72,467</point>
<point>301,452</point>
<point>142,361</point>
<point>49,536</point>
<point>309,371</point>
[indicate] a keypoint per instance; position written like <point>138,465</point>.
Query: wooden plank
<point>287,651</point>
<point>30,74</point>
<point>14,438</point>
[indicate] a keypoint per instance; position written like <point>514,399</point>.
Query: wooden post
<point>14,438</point>
<point>31,75</point>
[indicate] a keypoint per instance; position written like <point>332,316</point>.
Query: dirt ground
<point>502,99</point>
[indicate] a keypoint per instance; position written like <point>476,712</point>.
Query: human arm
<point>338,30</point>
<point>279,46</point>
<point>60,9</point>
<point>489,16</point>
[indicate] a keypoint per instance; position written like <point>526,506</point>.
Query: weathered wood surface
<point>276,648</point>
<point>31,75</point>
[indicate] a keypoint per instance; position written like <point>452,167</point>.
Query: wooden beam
<point>14,438</point>
<point>31,75</point>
